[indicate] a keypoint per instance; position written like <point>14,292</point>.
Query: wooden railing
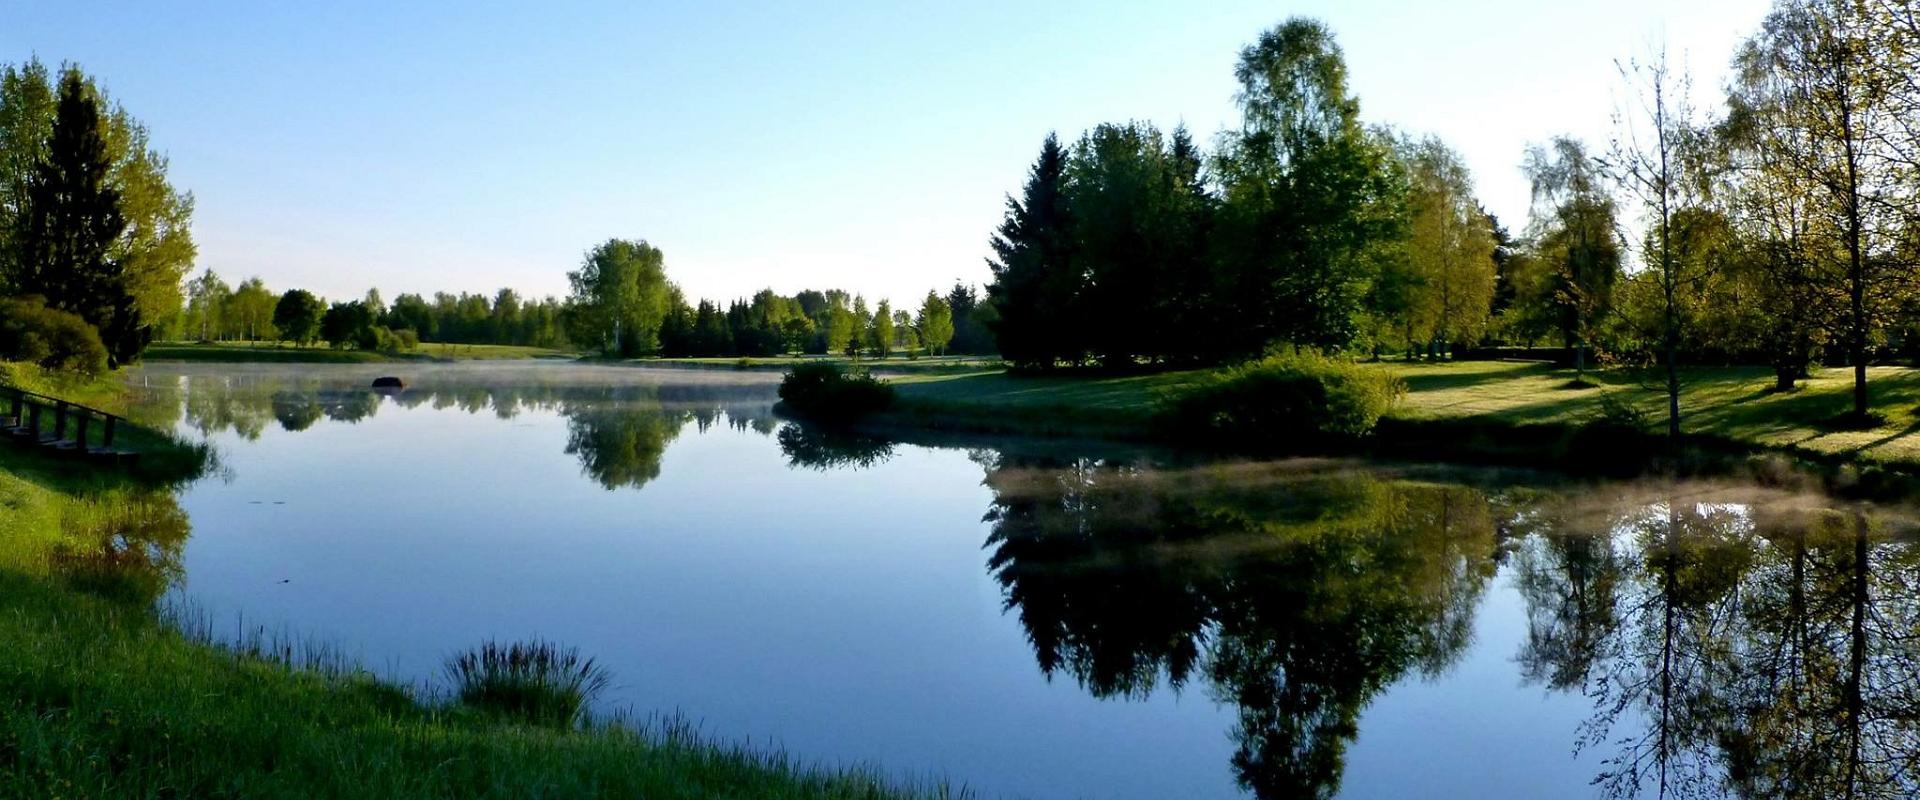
<point>38,420</point>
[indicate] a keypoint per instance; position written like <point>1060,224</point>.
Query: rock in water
<point>389,382</point>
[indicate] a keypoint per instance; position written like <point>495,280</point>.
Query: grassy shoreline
<point>1494,412</point>
<point>102,697</point>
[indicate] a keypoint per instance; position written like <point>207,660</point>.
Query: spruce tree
<point>72,220</point>
<point>1034,279</point>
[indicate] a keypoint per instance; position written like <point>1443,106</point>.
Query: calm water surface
<point>1061,624</point>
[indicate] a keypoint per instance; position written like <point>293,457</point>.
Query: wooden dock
<point>61,427</point>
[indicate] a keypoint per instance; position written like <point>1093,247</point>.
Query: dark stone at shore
<point>389,382</point>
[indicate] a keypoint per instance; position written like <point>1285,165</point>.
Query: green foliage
<point>349,324</point>
<point>66,234</point>
<point>1575,232</point>
<point>1615,440</point>
<point>1034,281</point>
<point>87,217</point>
<point>535,682</point>
<point>1311,201</point>
<point>935,323</point>
<point>828,391</point>
<point>51,338</point>
<point>297,316</point>
<point>1283,403</point>
<point>620,298</point>
<point>880,334</point>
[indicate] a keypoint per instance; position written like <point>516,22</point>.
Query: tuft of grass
<point>535,681</point>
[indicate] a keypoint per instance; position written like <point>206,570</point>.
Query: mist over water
<point>1056,624</point>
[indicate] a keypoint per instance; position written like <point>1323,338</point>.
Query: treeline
<point>1778,226</point>
<point>1304,226</point>
<point>218,312</point>
<point>93,239</point>
<point>622,304</point>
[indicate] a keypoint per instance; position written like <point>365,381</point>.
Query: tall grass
<point>536,681</point>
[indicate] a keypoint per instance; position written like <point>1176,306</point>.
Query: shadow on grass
<point>1450,375</point>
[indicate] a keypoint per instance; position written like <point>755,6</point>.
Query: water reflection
<point>1734,649</point>
<point>1718,641</point>
<point>1298,594</point>
<point>123,545</point>
<point>1728,648</point>
<point>618,429</point>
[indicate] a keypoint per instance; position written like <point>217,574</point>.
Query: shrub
<point>54,339</point>
<point>536,682</point>
<point>829,392</point>
<point>405,339</point>
<point>1615,441</point>
<point>1288,402</point>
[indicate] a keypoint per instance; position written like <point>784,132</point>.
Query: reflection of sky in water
<point>849,614</point>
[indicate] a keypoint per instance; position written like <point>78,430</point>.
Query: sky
<point>467,146</point>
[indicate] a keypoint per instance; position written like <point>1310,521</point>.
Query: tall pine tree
<point>73,217</point>
<point>1034,278</point>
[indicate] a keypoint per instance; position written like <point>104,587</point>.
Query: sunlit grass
<point>1737,403</point>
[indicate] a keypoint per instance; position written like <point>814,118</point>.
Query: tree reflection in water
<point>618,431</point>
<point>123,545</point>
<point>1730,649</point>
<point>1299,594</point>
<point>1741,651</point>
<point>1731,642</point>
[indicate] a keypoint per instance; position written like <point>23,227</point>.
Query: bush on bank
<point>52,339</point>
<point>1282,403</point>
<point>830,392</point>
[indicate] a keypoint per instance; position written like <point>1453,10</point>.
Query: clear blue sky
<point>466,146</point>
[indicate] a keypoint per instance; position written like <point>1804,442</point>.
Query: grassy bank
<point>100,697</point>
<point>1478,402</point>
<point>264,353</point>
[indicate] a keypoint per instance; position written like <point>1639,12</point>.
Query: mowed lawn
<point>1734,402</point>
<point>1075,403</point>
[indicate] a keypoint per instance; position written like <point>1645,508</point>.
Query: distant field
<point>1733,402</point>
<point>291,354</point>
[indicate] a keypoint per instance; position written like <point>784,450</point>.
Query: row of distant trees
<point>1780,226</point>
<point>91,232</point>
<point>612,311</point>
<point>218,312</point>
<point>623,304</point>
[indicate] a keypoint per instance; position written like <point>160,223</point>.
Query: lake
<point>1036,620</point>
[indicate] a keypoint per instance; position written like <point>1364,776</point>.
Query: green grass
<point>1734,403</point>
<point>292,354</point>
<point>1121,406</point>
<point>99,699</point>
